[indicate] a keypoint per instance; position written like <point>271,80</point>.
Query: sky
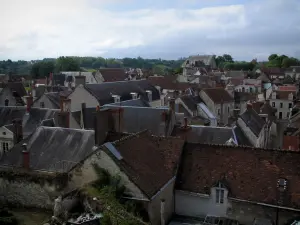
<point>168,29</point>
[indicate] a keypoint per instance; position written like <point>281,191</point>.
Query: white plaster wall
<point>285,107</point>
<point>80,95</point>
<point>247,131</point>
<point>247,88</point>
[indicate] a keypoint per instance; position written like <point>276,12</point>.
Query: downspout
<point>162,212</point>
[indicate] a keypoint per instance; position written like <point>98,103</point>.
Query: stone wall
<point>25,192</point>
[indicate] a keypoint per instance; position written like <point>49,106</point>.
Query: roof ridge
<point>129,137</point>
<point>247,147</point>
<point>166,137</point>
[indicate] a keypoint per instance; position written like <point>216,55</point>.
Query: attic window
<point>282,184</point>
<point>4,133</point>
<point>220,193</point>
<point>42,105</point>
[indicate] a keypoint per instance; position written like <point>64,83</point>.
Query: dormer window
<point>273,95</point>
<point>117,98</point>
<point>149,93</point>
<point>291,96</point>
<point>220,193</point>
<point>134,95</point>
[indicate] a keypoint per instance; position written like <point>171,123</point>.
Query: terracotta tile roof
<point>113,74</point>
<point>287,88</point>
<point>291,143</point>
<point>284,94</point>
<point>218,95</point>
<point>169,83</point>
<point>149,161</point>
<point>250,174</point>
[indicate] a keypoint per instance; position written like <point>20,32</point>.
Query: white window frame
<point>5,146</point>
<point>220,194</point>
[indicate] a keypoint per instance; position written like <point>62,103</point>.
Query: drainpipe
<point>162,212</point>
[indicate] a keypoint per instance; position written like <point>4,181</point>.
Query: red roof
<point>249,174</point>
<point>287,88</point>
<point>149,161</point>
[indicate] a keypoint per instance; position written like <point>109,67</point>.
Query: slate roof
<point>169,83</point>
<point>293,69</point>
<point>191,101</point>
<point>54,97</point>
<point>204,134</point>
<point>136,119</point>
<point>235,74</point>
<point>243,170</point>
<point>9,113</point>
<point>89,117</point>
<point>273,70</point>
<point>241,137</point>
<point>58,79</point>
<point>133,102</point>
<point>103,92</point>
<point>253,121</point>
<point>52,149</point>
<point>264,78</point>
<point>218,95</point>
<point>18,87</point>
<point>149,161</point>
<point>113,74</point>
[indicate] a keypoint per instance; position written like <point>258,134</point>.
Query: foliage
<point>245,66</point>
<point>42,69</point>
<point>221,60</point>
<point>67,64</point>
<point>282,61</point>
<point>7,218</point>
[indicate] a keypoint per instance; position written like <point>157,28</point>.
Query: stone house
<point>74,78</point>
<point>207,62</point>
<point>219,102</point>
<point>293,71</point>
<point>238,183</point>
<point>283,101</point>
<point>111,75</point>
<point>272,72</point>
<point>241,100</point>
<point>34,171</point>
<point>147,166</point>
<point>256,127</point>
<point>50,100</point>
<point>113,92</point>
<point>12,94</point>
<point>249,85</point>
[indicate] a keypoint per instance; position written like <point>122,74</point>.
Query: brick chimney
<point>118,118</point>
<point>64,114</point>
<point>17,130</point>
<point>29,102</point>
<point>26,157</point>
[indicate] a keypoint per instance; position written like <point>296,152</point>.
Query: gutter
<point>163,187</point>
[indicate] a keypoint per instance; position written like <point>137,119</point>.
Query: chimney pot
<point>97,108</point>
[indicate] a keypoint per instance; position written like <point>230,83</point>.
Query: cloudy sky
<point>246,29</point>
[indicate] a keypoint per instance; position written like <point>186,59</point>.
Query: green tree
<point>67,64</point>
<point>272,57</point>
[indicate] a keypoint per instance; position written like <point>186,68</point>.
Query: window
<point>42,105</point>
<point>281,105</point>
<point>287,114</point>
<point>5,146</point>
<point>290,105</point>
<point>220,194</point>
<point>280,115</point>
<point>219,112</point>
<point>228,109</point>
<point>273,104</point>
<point>4,133</point>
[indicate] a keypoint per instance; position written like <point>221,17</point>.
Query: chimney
<point>26,157</point>
<point>83,115</point>
<point>172,104</point>
<point>29,102</point>
<point>17,130</point>
<point>6,102</point>
<point>236,113</point>
<point>249,106</point>
<point>61,102</point>
<point>64,114</point>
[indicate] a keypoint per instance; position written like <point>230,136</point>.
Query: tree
<point>228,58</point>
<point>42,69</point>
<point>272,57</point>
<point>66,64</point>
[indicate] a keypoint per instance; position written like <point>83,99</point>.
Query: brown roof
<point>149,161</point>
<point>169,83</point>
<point>284,94</point>
<point>236,80</point>
<point>256,106</point>
<point>218,95</point>
<point>113,74</point>
<point>273,71</point>
<point>249,174</point>
<point>291,143</point>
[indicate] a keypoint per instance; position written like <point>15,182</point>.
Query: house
<point>50,100</point>
<point>110,75</point>
<point>271,72</point>
<point>4,78</point>
<point>256,127</point>
<point>283,102</point>
<point>235,74</point>
<point>219,102</point>
<point>147,166</point>
<point>40,165</point>
<point>237,183</point>
<point>12,94</point>
<point>74,78</point>
<point>293,72</point>
<point>249,85</point>
<point>38,90</point>
<point>113,92</point>
<point>194,109</point>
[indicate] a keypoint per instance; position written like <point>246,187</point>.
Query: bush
<point>7,218</point>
